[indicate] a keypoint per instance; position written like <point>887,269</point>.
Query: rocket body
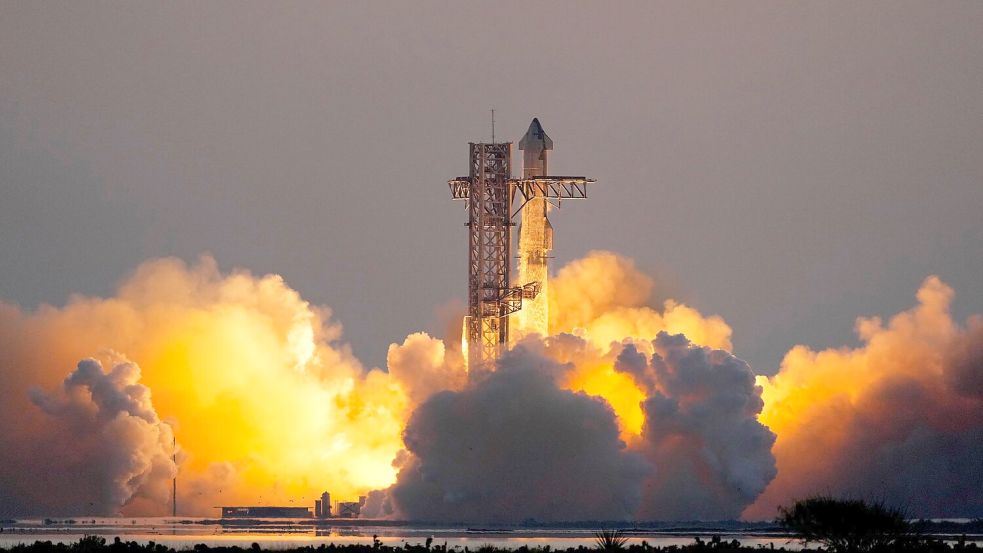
<point>535,235</point>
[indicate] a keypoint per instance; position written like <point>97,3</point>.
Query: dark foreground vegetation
<point>855,526</point>
<point>611,542</point>
<point>845,526</point>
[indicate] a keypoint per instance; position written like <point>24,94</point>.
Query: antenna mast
<point>174,482</point>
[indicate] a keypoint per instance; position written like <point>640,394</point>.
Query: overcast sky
<point>788,166</point>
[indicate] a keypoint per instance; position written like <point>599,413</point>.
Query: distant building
<point>325,502</point>
<point>265,512</point>
<point>349,509</point>
<point>317,508</point>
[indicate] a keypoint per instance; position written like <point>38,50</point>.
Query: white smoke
<point>421,365</point>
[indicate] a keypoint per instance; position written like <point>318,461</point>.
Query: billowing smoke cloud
<point>96,445</point>
<point>632,409</point>
<point>267,404</point>
<point>679,434</point>
<point>899,418</point>
<point>712,456</point>
<point>604,298</point>
<point>517,445</point>
<point>423,366</point>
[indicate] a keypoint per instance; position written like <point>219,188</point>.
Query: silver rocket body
<point>535,234</point>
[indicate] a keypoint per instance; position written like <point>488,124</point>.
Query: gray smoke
<point>897,419</point>
<point>917,442</point>
<point>712,456</point>
<point>516,447</point>
<point>964,362</point>
<point>97,445</point>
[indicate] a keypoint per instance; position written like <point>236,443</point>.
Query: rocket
<point>535,147</point>
<point>535,233</point>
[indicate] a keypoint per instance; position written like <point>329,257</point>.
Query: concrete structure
<point>349,509</point>
<point>489,191</point>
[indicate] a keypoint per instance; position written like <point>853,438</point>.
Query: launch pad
<point>490,193</point>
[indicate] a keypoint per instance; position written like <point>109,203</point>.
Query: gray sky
<point>788,166</point>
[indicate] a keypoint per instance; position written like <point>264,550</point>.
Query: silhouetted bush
<point>610,540</point>
<point>847,525</point>
<point>95,544</point>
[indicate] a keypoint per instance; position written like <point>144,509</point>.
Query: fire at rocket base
<point>535,235</point>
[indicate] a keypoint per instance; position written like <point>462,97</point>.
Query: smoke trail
<point>899,418</point>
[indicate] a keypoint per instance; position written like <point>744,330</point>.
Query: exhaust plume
<point>899,418</point>
<point>515,447</point>
<point>604,298</point>
<point>96,443</point>
<point>423,366</point>
<point>711,455</point>
<point>519,444</point>
<point>267,403</point>
<point>632,409</point>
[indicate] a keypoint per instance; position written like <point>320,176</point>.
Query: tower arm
<point>512,297</point>
<point>551,188</point>
<point>460,188</point>
<point>560,188</point>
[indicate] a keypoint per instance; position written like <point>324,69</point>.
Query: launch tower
<point>490,193</point>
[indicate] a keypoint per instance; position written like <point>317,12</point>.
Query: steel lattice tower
<point>489,191</point>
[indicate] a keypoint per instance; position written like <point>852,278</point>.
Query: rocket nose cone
<point>536,137</point>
